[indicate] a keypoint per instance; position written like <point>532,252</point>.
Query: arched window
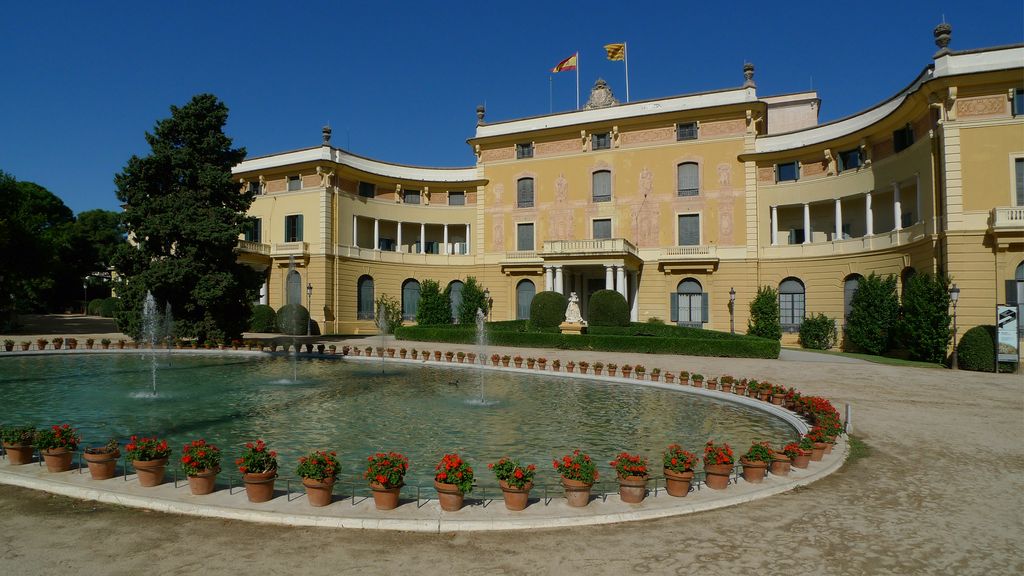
<point>688,179</point>
<point>690,305</point>
<point>455,296</point>
<point>525,291</point>
<point>602,186</point>
<point>364,305</point>
<point>410,299</point>
<point>293,288</point>
<point>850,285</point>
<point>524,193</point>
<point>791,304</point>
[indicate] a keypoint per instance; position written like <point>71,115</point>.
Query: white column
<point>423,236</point>
<point>355,230</point>
<point>609,278</point>
<point>839,220</point>
<point>807,223</point>
<point>634,312</point>
<point>376,234</point>
<point>467,239</point>
<point>549,279</point>
<point>775,225</point>
<point>897,207</point>
<point>398,245</point>
<point>918,217</point>
<point>868,216</point>
<point>620,280</point>
<point>265,293</point>
<point>559,286</point>
<point>445,240</point>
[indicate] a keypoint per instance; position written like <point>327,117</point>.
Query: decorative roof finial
<point>326,132</point>
<point>480,111</point>
<point>943,32</point>
<point>748,75</point>
<point>600,96</point>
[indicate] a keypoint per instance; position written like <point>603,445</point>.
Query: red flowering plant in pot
<point>799,452</point>
<point>149,458</point>
<point>258,466</point>
<point>755,462</point>
<point>678,465</point>
<point>200,461</point>
<point>318,470</point>
<point>453,479</point>
<point>578,473</point>
<point>632,472</point>
<point>17,441</point>
<point>817,436</point>
<point>57,445</point>
<point>386,474</point>
<point>718,464</point>
<point>515,480</point>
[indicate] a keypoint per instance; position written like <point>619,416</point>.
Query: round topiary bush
<point>293,319</point>
<point>110,307</point>
<point>95,306</point>
<point>608,308</point>
<point>977,349</point>
<point>548,309</point>
<point>263,319</point>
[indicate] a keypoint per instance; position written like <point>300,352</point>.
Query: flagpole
<point>551,93</point>
<point>625,58</point>
<point>577,79</point>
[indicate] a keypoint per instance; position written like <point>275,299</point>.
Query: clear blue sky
<point>399,81</point>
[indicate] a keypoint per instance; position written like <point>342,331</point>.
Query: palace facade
<point>678,203</point>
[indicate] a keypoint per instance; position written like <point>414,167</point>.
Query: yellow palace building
<point>676,203</point>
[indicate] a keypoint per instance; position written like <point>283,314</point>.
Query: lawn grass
<point>876,359</point>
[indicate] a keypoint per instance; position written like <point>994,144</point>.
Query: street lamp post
<point>309,306</point>
<point>954,295</point>
<point>732,310</point>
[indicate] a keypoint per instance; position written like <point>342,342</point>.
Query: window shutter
<point>1018,166</point>
<point>673,306</point>
<point>1011,293</point>
<point>689,230</point>
<point>689,179</point>
<point>704,307</point>
<point>298,228</point>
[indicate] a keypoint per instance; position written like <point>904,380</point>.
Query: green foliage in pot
<point>17,435</point>
<point>319,465</point>
<point>57,436</point>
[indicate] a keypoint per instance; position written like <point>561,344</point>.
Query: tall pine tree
<point>184,214</point>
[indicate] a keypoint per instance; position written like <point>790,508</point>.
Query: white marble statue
<point>572,312</point>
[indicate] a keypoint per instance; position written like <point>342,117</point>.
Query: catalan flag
<point>567,64</point>
<point>615,51</point>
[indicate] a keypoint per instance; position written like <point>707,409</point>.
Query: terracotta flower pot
<point>259,486</point>
<point>829,444</point>
<point>670,378</point>
<point>754,470</point>
<point>516,499</point>
<point>57,459</point>
<point>801,460</point>
<point>819,451</point>
<point>632,489</point>
<point>150,472</point>
<point>597,371</point>
<point>385,498</point>
<point>780,465</point>
<point>626,373</point>
<point>711,384</point>
<point>19,454</point>
<point>203,482</point>
<point>611,371</point>
<point>764,396</point>
<point>716,476</point>
<point>449,495</point>
<point>577,493</point>
<point>726,387</point>
<point>102,466</point>
<point>518,363</point>
<point>777,400</point>
<point>741,389</point>
<point>678,483</point>
<point>318,492</point>
<point>697,383</point>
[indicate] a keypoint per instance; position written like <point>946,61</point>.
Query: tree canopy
<point>184,214</point>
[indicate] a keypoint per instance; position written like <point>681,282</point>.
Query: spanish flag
<point>615,51</point>
<point>567,64</point>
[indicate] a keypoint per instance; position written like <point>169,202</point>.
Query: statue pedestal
<point>576,328</point>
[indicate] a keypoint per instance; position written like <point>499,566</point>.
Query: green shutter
<point>704,307</point>
<point>298,228</point>
<point>673,306</point>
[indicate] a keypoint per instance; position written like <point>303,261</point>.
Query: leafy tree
<point>925,319</point>
<point>472,299</point>
<point>389,308</point>
<point>874,312</point>
<point>185,214</point>
<point>818,332</point>
<point>764,314</point>
<point>434,307</point>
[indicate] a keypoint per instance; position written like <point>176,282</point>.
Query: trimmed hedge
<point>110,307</point>
<point>263,319</point>
<point>95,306</point>
<point>608,308</point>
<point>547,310</point>
<point>293,319</point>
<point>977,349</point>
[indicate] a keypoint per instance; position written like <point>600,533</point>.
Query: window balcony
<point>882,241</point>
<point>249,247</point>
<point>290,249</point>
<point>601,247</point>
<point>1006,224</point>
<point>407,258</point>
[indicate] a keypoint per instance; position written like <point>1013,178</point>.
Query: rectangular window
<point>902,138</point>
<point>1018,107</point>
<point>524,150</point>
<point>688,179</point>
<point>253,230</point>
<point>849,160</point>
<point>456,198</point>
<point>788,172</point>
<point>294,183</point>
<point>524,236</point>
<point>689,229</point>
<point>254,188</point>
<point>601,182</point>
<point>602,229</point>
<point>367,189</point>
<point>686,131</point>
<point>524,193</point>
<point>293,228</point>
<point>601,141</point>
<point>411,197</point>
<point>1018,171</point>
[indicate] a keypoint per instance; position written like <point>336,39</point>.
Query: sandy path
<point>941,492</point>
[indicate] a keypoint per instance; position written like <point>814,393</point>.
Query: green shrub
<point>924,322</point>
<point>95,306</point>
<point>818,332</point>
<point>977,349</point>
<point>472,300</point>
<point>110,307</point>
<point>263,319</point>
<point>548,309</point>
<point>764,314</point>
<point>389,309</point>
<point>293,319</point>
<point>874,312</point>
<point>608,308</point>
<point>434,307</point>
